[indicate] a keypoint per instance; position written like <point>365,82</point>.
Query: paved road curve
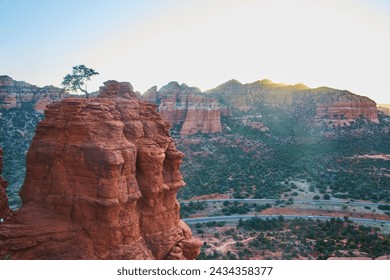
<point>298,201</point>
<point>236,218</point>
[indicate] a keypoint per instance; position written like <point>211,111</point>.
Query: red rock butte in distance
<point>13,94</point>
<point>184,106</point>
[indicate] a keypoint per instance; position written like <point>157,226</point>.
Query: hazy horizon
<point>200,43</point>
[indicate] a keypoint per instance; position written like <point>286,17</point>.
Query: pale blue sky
<point>342,44</point>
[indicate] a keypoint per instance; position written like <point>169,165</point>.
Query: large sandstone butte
<point>184,106</point>
<point>4,209</point>
<point>101,183</point>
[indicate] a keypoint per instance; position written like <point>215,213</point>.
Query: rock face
<point>184,106</point>
<point>4,209</point>
<point>14,94</point>
<point>251,96</point>
<point>101,183</point>
<point>346,111</point>
<point>320,104</point>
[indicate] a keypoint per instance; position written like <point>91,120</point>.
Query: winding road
<point>236,218</point>
<point>298,201</point>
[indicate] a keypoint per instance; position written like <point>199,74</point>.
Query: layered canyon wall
<point>13,94</point>
<point>183,106</point>
<point>326,104</point>
<point>345,111</point>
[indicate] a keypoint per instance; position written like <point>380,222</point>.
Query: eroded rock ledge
<point>101,183</point>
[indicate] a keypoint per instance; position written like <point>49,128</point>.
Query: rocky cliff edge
<point>183,106</point>
<point>101,183</point>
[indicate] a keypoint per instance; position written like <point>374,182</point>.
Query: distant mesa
<point>330,106</point>
<point>13,94</point>
<point>101,183</point>
<point>191,111</point>
<point>186,108</point>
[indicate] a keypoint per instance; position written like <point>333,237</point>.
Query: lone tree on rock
<point>77,80</point>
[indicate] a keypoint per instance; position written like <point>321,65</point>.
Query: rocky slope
<point>278,131</point>
<point>184,107</point>
<point>4,209</point>
<point>14,94</point>
<point>343,107</point>
<point>329,105</point>
<point>101,183</point>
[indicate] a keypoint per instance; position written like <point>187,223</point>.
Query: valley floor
<point>220,223</point>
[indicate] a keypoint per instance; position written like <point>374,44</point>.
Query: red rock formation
<point>184,106</point>
<point>203,115</point>
<point>345,111</point>
<point>13,94</point>
<point>331,105</point>
<point>101,183</point>
<point>4,209</point>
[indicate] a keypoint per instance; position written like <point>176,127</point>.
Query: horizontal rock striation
<point>101,183</point>
<point>320,104</point>
<point>344,112</point>
<point>183,106</point>
<point>13,94</point>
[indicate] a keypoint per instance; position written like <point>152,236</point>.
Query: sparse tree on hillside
<point>77,80</point>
